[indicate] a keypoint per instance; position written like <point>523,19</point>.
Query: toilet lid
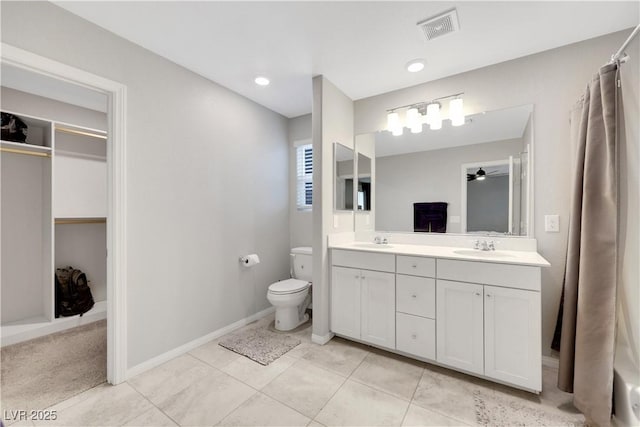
<point>288,286</point>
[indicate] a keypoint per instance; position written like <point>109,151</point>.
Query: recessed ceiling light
<point>262,81</point>
<point>415,65</point>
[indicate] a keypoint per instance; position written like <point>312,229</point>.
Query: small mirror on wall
<point>364,183</point>
<point>343,177</point>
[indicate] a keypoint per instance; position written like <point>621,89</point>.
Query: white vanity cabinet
<point>363,300</point>
<point>487,329</point>
<point>476,316</point>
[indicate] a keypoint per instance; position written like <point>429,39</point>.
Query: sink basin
<point>482,254</point>
<point>373,245</point>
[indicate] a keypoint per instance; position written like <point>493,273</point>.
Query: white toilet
<point>291,297</point>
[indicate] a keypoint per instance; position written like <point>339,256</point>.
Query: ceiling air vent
<point>440,25</point>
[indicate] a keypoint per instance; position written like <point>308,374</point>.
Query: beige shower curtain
<point>589,292</point>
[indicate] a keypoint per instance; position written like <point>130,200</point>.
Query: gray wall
<point>488,204</point>
<point>300,222</point>
<point>429,176</point>
<point>332,122</point>
<point>207,182</point>
<point>552,81</point>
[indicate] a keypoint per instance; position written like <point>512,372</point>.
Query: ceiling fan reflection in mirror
<point>480,175</point>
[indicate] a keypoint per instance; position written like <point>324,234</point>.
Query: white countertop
<point>466,254</point>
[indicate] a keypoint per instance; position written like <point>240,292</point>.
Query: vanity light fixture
<point>262,81</point>
<point>393,123</point>
<point>456,112</point>
<point>415,115</point>
<point>414,120</point>
<point>433,116</point>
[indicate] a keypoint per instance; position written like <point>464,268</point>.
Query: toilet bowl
<point>291,297</point>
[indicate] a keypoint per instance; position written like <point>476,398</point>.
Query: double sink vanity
<point>438,288</point>
<point>470,310</point>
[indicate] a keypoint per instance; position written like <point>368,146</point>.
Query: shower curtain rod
<point>620,55</point>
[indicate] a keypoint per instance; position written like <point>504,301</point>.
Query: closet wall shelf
<point>92,133</point>
<point>26,149</point>
<point>80,220</point>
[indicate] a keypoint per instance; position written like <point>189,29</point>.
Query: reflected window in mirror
<point>426,168</point>
<point>343,178</point>
<point>364,194</point>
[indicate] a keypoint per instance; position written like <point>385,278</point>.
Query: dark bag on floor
<point>73,295</point>
<point>13,128</point>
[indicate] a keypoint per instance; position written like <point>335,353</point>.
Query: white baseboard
<point>165,357</point>
<point>321,339</point>
<point>550,362</point>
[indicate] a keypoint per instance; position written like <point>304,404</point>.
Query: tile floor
<point>340,383</point>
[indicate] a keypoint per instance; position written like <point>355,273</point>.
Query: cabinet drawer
<point>416,335</point>
<point>507,275</point>
<point>416,295</point>
<point>364,260</point>
<point>416,266</point>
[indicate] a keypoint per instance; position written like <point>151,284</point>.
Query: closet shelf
<point>100,220</point>
<point>27,149</point>
<point>85,132</point>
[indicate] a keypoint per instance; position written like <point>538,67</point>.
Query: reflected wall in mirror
<point>364,194</point>
<point>425,168</point>
<point>343,177</point>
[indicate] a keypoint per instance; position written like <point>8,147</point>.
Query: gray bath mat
<point>259,344</point>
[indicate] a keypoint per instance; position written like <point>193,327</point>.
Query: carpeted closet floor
<point>44,371</point>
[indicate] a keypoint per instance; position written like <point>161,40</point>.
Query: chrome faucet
<point>484,245</point>
<point>379,240</point>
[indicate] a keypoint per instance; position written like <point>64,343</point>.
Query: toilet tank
<point>301,263</point>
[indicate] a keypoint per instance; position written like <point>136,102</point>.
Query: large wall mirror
<point>473,178</point>
<point>343,177</point>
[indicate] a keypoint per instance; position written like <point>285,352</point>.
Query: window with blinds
<point>304,161</point>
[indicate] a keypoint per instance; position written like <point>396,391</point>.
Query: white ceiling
<point>362,47</point>
<point>490,126</point>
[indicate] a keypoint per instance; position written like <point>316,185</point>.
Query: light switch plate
<point>552,223</point>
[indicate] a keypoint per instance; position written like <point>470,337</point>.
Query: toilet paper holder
<point>249,260</point>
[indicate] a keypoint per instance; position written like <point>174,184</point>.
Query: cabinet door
<point>512,336</point>
<point>459,321</point>
<point>378,304</point>
<point>345,301</point>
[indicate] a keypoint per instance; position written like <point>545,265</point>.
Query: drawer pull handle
<point>477,294</point>
<point>414,265</point>
<point>414,336</point>
<point>362,277</point>
<point>488,295</point>
<point>414,296</point>
<point>357,277</point>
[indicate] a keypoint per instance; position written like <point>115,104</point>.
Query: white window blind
<point>304,161</point>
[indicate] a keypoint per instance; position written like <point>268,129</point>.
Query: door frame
<point>116,192</point>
